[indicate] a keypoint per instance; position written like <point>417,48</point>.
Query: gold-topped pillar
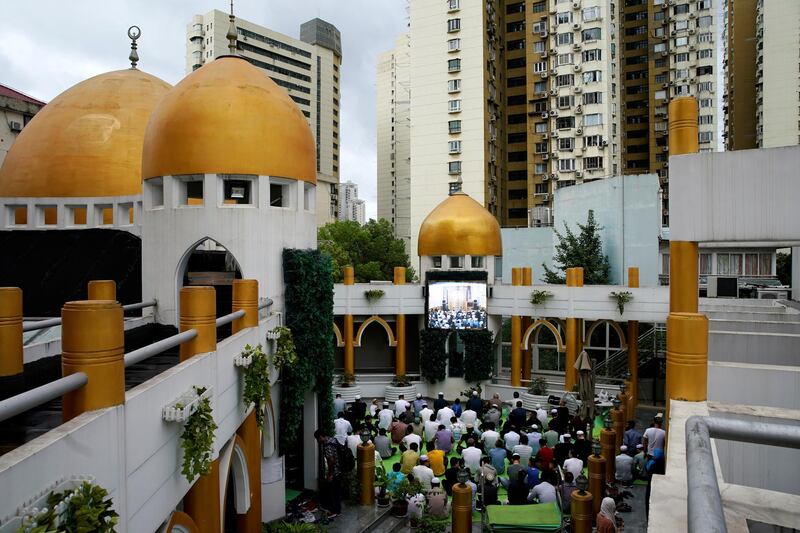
<point>245,298</point>
<point>608,441</point>
<point>199,312</point>
<point>250,522</point>
<point>366,472</point>
<point>102,289</point>
<point>11,360</point>
<point>349,350</point>
<point>92,342</point>
<point>527,360</point>
<point>400,333</point>
<point>581,510</point>
<point>597,480</point>
<point>633,349</point>
<point>573,333</point>
<point>516,335</point>
<point>462,508</point>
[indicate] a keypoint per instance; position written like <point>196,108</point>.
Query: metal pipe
<point>156,348</point>
<point>266,303</point>
<point>140,305</point>
<point>705,511</point>
<point>227,319</point>
<point>43,394</point>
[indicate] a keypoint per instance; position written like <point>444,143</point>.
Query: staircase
<point>652,344</point>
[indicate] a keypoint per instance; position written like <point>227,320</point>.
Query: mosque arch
<point>382,322</point>
<point>543,322</point>
<point>613,324</point>
<point>180,522</point>
<point>338,334</point>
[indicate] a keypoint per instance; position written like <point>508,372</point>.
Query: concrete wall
<point>765,385</point>
<point>527,247</point>
<point>757,348</point>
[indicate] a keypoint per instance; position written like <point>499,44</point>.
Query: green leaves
<point>84,509</point>
<point>540,297</point>
<point>478,354</point>
<point>432,355</point>
<point>256,381</point>
<point>286,353</point>
<point>582,250</point>
<point>622,297</point>
<point>197,439</point>
<point>373,295</point>
<point>372,249</point>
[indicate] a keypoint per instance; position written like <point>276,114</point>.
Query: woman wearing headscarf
<point>606,520</point>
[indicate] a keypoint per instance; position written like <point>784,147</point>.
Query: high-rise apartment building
<point>763,85</point>
<point>394,138</point>
<point>668,49</point>
<point>308,68</point>
<point>351,207</point>
<point>16,110</point>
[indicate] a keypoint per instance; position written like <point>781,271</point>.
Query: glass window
<point>705,22</point>
<point>750,264</point>
<point>236,191</point>
<point>437,261</point>
<point>665,264</point>
<point>592,76</point>
<point>593,98</point>
<point>565,122</point>
<point>564,18</point>
<point>765,266</point>
<point>452,4</point>
<point>453,25</point>
<point>453,65</point>
<point>564,38</point>
<point>593,119</point>
<point>565,79</point>
<point>540,66</point>
<point>454,167</point>
<point>456,261</point>
<point>477,262</point>
<point>705,136</point>
<point>453,85</point>
<point>565,59</point>
<point>592,34</point>
<point>454,147</point>
<point>681,41</point>
<point>454,126</point>
<point>705,264</point>
<point>590,13</point>
<point>567,143</point>
<point>565,101</point>
<point>540,168</point>
<point>593,163</point>
<point>454,106</point>
<point>540,127</point>
<point>591,55</point>
<point>454,45</point>
<point>566,165</point>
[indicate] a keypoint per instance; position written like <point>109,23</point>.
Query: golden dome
<point>87,142</point>
<point>459,226</point>
<point>228,117</point>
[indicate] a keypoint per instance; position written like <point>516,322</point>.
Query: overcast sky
<point>46,46</point>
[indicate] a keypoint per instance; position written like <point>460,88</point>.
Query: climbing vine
<point>432,355</point>
<point>85,508</point>
<point>478,354</point>
<point>286,352</point>
<point>309,315</point>
<point>256,381</point>
<point>197,439</point>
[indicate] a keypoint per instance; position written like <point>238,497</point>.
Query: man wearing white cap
<point>385,416</point>
<point>475,403</point>
<point>533,438</point>
<point>639,460</point>
<point>359,408</point>
<point>541,414</point>
<point>423,473</point>
<point>582,446</point>
<point>419,403</point>
<point>439,402</point>
<point>400,405</point>
<point>624,466</point>
<point>436,500</point>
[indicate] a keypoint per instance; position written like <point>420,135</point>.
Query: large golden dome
<point>459,226</point>
<point>87,142</point>
<point>228,117</point>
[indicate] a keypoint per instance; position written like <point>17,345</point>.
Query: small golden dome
<point>87,142</point>
<point>459,226</point>
<point>228,117</point>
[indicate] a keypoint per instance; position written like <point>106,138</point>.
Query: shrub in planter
<point>622,298</point>
<point>86,508</point>
<point>538,386</point>
<point>373,295</point>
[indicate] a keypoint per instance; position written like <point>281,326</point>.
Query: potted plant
<point>540,297</point>
<point>401,380</point>
<point>346,380</point>
<point>380,484</point>
<point>373,295</point>
<point>400,496</point>
<point>538,387</point>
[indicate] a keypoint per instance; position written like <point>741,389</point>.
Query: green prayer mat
<point>534,517</point>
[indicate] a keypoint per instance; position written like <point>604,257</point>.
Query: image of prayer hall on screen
<point>456,305</point>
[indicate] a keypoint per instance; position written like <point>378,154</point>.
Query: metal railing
<point>705,511</point>
<point>615,366</point>
<point>50,322</point>
<point>43,394</point>
<point>145,352</point>
<point>230,317</point>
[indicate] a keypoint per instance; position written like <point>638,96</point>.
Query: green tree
<point>372,249</point>
<point>784,267</point>
<point>582,250</point>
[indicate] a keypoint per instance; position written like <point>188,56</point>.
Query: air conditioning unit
<point>553,92</point>
<point>664,53</point>
<point>576,47</point>
<point>543,94</point>
<point>543,35</point>
<point>543,74</point>
<point>672,2</point>
<point>554,72</point>
<point>673,33</point>
<point>671,82</point>
<point>692,80</point>
<point>545,177</point>
<point>553,11</point>
<point>692,15</point>
<point>578,110</point>
<point>578,174</point>
<point>546,196</point>
<point>692,47</point>
<point>554,135</point>
<point>691,31</point>
<point>553,176</point>
<point>555,155</point>
<point>604,143</point>
<point>722,287</point>
<point>15,126</point>
<point>545,157</point>
<point>577,90</point>
<point>577,68</point>
<point>553,51</point>
<point>665,148</point>
<point>576,26</point>
<point>579,131</point>
<point>545,136</point>
<point>544,114</point>
<point>664,85</point>
<point>576,5</point>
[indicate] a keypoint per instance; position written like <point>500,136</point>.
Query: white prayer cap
<point>580,433</point>
<point>358,396</point>
<point>441,394</point>
<point>386,404</point>
<point>419,395</point>
<point>623,448</point>
<point>474,393</point>
<point>554,410</point>
<point>423,457</point>
<point>435,481</point>
<point>639,446</point>
<point>538,406</point>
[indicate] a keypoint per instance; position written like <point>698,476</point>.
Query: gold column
<point>198,311</point>
<point>687,331</point>
<point>366,472</point>
<point>597,481</point>
<point>251,436</point>
<point>11,360</point>
<point>245,297</point>
<point>618,416</point>
<point>462,508</point>
<point>633,349</point>
<point>608,439</point>
<point>349,351</point>
<point>527,362</point>
<point>687,356</point>
<point>202,501</point>
<point>103,289</point>
<point>582,512</point>
<point>400,329</point>
<point>516,335</point>
<point>574,335</point>
<point>93,342</point>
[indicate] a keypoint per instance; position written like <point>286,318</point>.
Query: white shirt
<point>469,417</point>
<point>489,437</point>
<point>400,407</point>
<point>524,451</point>
<point>408,439</point>
<point>624,467</point>
<point>511,439</point>
<point>385,417</point>
<point>574,465</point>
<point>655,439</point>
<point>352,442</point>
<point>472,458</point>
<point>541,414</point>
<point>342,427</point>
<point>425,414</point>
<point>444,416</point>
<point>430,430</point>
<point>373,409</point>
<point>458,429</point>
<point>544,492</point>
<point>424,475</point>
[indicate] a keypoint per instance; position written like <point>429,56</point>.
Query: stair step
<point>385,523</point>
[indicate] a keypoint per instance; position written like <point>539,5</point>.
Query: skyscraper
<point>308,68</point>
<point>350,206</point>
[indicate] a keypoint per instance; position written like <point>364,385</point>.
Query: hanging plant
<point>285,352</point>
<point>197,439</point>
<point>256,381</point>
<point>86,508</point>
<point>538,386</point>
<point>432,355</point>
<point>373,295</point>
<point>478,354</point>
<point>622,297</point>
<point>540,297</point>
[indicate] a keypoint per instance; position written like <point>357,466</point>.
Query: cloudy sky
<point>46,46</point>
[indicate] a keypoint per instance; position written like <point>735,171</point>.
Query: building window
<point>566,101</point>
<point>517,118</point>
<point>704,4</point>
<point>681,41</point>
<point>565,79</point>
<point>592,34</point>
<point>592,76</point>
<point>681,9</point>
<point>705,22</point>
<point>706,102</point>
<point>705,264</point>
<point>237,191</point>
<point>565,122</point>
<point>591,55</point>
<point>592,98</point>
<point>540,147</point>
<point>540,127</point>
<point>702,71</point>
<point>518,194</point>
<point>453,25</point>
<point>454,147</point>
<point>515,26</point>
<point>453,65</point>
<point>517,157</point>
<point>539,66</point>
<point>280,193</point>
<point>591,140</point>
<point>564,18</point>
<point>539,86</point>
<point>705,119</point>
<point>566,144</point>
<point>452,5</point>
<point>539,7</point>
<point>705,86</point>
<point>592,163</point>
<point>565,59</point>
<point>155,191</point>
<point>591,13</point>
<point>593,119</point>
<point>477,261</point>
<point>566,165</point>
<point>517,175</point>
<point>454,45</point>
<point>539,27</point>
<point>454,167</point>
<point>453,86</point>
<point>437,261</point>
<point>729,264</point>
<point>661,95</point>
<point>540,168</point>
<point>705,38</point>
<point>454,126</point>
<point>517,44</point>
<point>540,188</point>
<point>564,38</point>
<point>516,81</point>
<point>191,190</point>
<point>705,54</point>
<point>517,62</point>
<point>456,261</point>
<point>705,136</point>
<point>665,264</point>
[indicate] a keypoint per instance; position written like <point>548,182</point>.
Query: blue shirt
<point>393,480</point>
<point>498,456</point>
<point>534,478</point>
<point>457,409</point>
